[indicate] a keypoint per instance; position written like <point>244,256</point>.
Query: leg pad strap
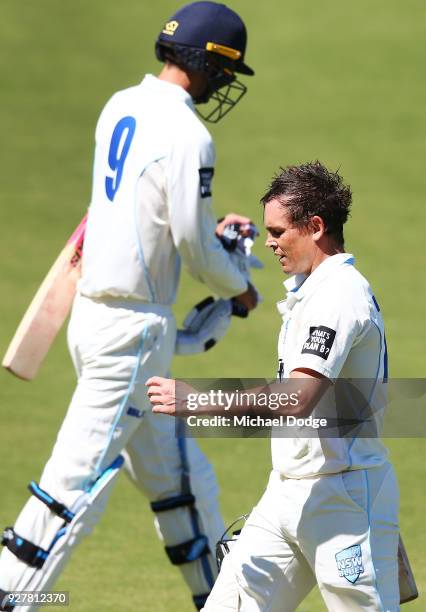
<point>5,604</point>
<point>178,501</point>
<point>23,549</point>
<point>188,551</point>
<point>53,505</point>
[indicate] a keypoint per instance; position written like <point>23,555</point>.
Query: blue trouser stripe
<point>125,399</point>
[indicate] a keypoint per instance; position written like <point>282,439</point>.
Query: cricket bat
<point>407,585</point>
<point>48,310</point>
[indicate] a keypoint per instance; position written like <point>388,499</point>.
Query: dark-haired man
<point>150,210</point>
<point>329,514</point>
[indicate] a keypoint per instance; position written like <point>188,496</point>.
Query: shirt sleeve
<point>327,330</point>
<point>192,222</point>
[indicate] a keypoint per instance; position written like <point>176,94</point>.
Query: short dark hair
<point>311,189</point>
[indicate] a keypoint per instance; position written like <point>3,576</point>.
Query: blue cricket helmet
<point>208,37</point>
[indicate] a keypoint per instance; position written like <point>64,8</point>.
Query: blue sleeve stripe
<point>376,303</point>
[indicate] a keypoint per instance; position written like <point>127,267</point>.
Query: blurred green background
<point>338,81</point>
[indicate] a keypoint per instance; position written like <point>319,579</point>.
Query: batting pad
<point>87,511</point>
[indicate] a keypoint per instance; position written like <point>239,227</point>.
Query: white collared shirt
<point>332,325</point>
<point>151,200</point>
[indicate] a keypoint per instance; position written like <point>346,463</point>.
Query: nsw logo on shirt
<point>320,341</point>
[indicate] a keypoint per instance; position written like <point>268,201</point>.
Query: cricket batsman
<point>329,514</point>
<point>150,212</point>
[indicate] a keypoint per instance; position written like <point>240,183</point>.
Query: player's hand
<point>249,298</point>
<point>168,396</point>
<point>230,219</point>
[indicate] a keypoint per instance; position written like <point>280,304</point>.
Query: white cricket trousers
<point>115,348</point>
<point>339,531</point>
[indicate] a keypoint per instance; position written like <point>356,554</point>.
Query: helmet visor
<point>222,100</point>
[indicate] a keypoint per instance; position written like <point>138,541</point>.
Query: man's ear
<point>317,227</point>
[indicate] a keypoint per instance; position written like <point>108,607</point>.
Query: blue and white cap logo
<point>349,563</point>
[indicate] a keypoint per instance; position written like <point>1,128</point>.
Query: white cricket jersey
<point>332,325</point>
<point>151,200</point>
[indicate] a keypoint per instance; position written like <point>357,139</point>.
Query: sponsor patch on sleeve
<point>320,341</point>
<point>206,175</point>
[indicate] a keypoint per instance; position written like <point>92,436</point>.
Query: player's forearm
<point>202,252</point>
<point>213,266</point>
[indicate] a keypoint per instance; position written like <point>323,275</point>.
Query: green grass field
<point>338,81</point>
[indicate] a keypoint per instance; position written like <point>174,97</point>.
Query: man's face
<point>295,247</point>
